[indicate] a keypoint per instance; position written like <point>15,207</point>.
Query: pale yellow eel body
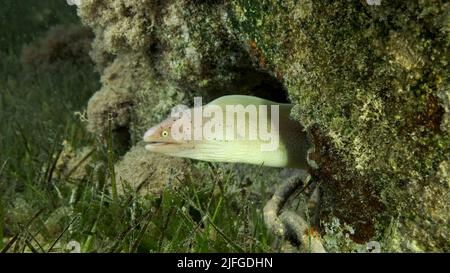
<point>291,151</point>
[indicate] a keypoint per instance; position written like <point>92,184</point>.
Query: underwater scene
<point>224,126</point>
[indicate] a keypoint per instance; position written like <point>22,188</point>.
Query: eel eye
<point>165,134</point>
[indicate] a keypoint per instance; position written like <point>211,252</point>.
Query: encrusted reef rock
<point>369,80</point>
<point>163,53</point>
<point>144,171</point>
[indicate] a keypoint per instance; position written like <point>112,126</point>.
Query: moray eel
<point>290,149</point>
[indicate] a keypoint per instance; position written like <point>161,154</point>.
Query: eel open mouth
<point>151,144</point>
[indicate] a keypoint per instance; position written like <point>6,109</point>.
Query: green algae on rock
<point>369,79</point>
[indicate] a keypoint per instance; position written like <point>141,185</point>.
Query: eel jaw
<point>161,146</point>
<point>149,145</point>
<point>157,143</point>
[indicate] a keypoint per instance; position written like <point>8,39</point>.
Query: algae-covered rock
<point>369,81</point>
<point>164,53</point>
<point>63,44</point>
<point>73,164</point>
